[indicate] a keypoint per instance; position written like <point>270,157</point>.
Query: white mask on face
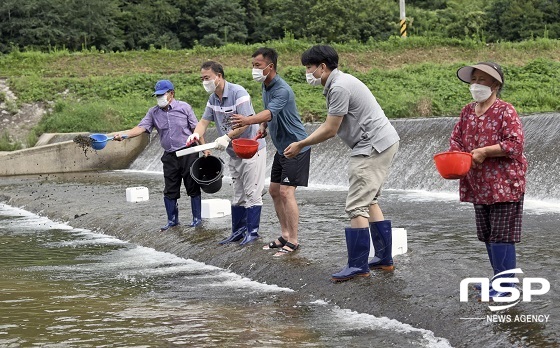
<point>480,93</point>
<point>209,85</point>
<point>312,80</point>
<point>258,75</point>
<point>162,100</point>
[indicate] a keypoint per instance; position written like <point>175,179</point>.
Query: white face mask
<point>480,93</point>
<point>209,85</point>
<point>258,75</point>
<point>312,80</point>
<point>162,100</point>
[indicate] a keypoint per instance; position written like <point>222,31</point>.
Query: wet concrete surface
<point>423,291</point>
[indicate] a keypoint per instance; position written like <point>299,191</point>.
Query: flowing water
<point>63,286</point>
<point>413,168</point>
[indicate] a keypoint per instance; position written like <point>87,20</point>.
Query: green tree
<point>346,20</point>
<point>428,4</point>
<point>147,23</point>
<point>456,19</point>
<point>90,23</point>
<point>515,20</point>
<point>465,20</point>
<point>254,21</point>
<point>186,27</point>
<point>222,22</point>
<point>33,23</point>
<point>551,17</point>
<point>281,16</point>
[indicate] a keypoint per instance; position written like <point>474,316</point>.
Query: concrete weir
<point>96,201</point>
<point>56,155</point>
<point>423,291</point>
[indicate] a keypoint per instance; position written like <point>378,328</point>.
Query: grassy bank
<point>100,92</point>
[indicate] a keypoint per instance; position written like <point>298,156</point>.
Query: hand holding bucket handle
<point>193,138</point>
<point>261,133</point>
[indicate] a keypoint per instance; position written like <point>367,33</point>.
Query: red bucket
<point>245,148</point>
<point>453,165</point>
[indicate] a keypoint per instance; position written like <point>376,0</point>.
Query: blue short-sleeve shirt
<point>285,127</point>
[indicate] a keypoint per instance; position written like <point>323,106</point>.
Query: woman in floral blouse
<point>490,129</point>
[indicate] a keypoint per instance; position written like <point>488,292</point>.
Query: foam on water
<point>530,205</point>
<point>130,262</point>
<point>23,220</point>
<point>234,280</point>
<point>358,321</point>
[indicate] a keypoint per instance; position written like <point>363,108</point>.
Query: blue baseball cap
<point>162,87</point>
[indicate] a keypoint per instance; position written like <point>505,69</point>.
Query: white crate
<point>137,194</point>
<point>212,208</point>
<point>400,243</point>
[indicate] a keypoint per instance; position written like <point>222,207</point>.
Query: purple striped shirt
<point>173,126</point>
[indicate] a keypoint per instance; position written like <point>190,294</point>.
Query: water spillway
<point>414,168</point>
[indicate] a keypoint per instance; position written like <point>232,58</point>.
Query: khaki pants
<point>366,175</point>
<point>248,179</point>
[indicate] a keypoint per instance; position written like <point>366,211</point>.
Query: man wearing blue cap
<point>174,121</point>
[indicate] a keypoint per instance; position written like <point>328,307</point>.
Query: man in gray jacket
<point>354,114</point>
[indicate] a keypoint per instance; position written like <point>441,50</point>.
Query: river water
<point>63,286</point>
<point>66,286</point>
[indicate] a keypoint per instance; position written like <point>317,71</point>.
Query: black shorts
<point>291,171</point>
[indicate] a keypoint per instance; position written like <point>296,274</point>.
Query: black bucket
<point>207,172</point>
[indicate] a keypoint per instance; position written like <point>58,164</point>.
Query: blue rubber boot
<point>503,259</point>
<point>196,208</point>
<point>357,243</point>
<point>238,224</point>
<point>172,209</point>
<point>382,239</point>
<point>253,221</point>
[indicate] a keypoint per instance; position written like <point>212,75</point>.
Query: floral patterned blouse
<point>497,179</point>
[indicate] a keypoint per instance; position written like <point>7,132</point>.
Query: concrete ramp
<point>67,156</point>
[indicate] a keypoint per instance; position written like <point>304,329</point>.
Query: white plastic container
<point>137,194</point>
<point>400,243</point>
<point>212,208</point>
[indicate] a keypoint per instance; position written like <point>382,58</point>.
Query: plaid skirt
<point>499,222</point>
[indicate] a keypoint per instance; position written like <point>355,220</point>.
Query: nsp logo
<point>505,282</point>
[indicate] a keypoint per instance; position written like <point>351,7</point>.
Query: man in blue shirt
<point>247,175</point>
<point>281,117</point>
<point>174,121</point>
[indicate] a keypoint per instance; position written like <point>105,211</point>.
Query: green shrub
<point>7,145</point>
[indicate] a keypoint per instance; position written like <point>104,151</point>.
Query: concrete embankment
<point>54,154</point>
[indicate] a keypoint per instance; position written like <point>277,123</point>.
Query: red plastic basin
<point>453,165</point>
<point>245,148</point>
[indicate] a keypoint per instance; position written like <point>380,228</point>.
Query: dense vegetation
<point>122,25</point>
<point>102,92</point>
<point>95,62</point>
